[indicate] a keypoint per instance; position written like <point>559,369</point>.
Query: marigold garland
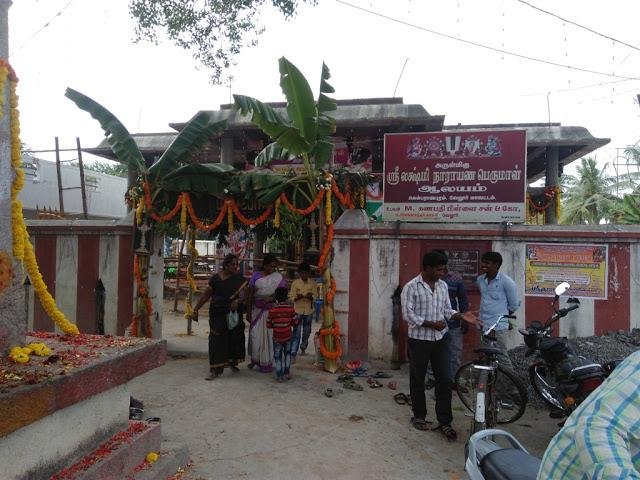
<point>326,248</point>
<point>196,221</point>
<point>193,254</point>
<point>172,213</point>
<point>332,292</point>
<point>276,216</point>
<point>229,216</point>
<point>344,198</point>
<point>303,211</point>
<point>143,296</point>
<point>183,215</point>
<point>22,248</point>
<point>246,220</point>
<point>333,331</point>
<point>139,211</point>
<point>328,209</point>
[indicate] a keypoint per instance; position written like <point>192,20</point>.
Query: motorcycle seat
<point>509,463</point>
<point>488,350</point>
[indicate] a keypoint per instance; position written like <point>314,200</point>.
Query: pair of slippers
<point>402,399</point>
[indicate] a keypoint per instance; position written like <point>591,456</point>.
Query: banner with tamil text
<point>455,176</point>
<point>584,267</point>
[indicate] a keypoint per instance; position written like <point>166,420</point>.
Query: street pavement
<point>245,425</point>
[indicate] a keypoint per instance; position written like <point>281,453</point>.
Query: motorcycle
<point>561,377</point>
<point>486,459</point>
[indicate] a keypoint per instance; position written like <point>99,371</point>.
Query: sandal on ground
<point>211,376</point>
<point>373,383</point>
<point>352,385</point>
<point>449,433</point>
<point>345,377</point>
<point>381,375</point>
<point>250,365</point>
<point>401,398</point>
<point>420,424</point>
<point>328,392</point>
<point>393,385</point>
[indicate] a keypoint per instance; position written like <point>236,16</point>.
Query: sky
<point>88,45</point>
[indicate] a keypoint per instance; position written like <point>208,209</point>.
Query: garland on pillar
<point>22,249</point>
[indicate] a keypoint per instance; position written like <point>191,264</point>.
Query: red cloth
<point>282,319</point>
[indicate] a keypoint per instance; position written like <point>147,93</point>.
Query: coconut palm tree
<point>589,195</point>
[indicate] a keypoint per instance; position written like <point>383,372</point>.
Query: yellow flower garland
<point>276,216</point>
<point>22,248</point>
<point>139,211</point>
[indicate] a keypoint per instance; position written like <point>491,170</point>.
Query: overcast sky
<point>89,47</point>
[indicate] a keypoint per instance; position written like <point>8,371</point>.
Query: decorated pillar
<point>551,181</point>
<point>13,318</point>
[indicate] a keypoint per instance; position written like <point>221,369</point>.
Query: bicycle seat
<point>488,350</point>
<point>509,463</point>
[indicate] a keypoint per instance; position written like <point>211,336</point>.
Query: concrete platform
<point>58,408</point>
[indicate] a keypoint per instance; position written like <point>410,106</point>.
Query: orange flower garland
<point>246,220</point>
<point>143,295</point>
<point>326,248</point>
<point>335,333</point>
<point>344,198</point>
<point>196,221</point>
<point>169,215</point>
<point>332,291</point>
<point>305,211</point>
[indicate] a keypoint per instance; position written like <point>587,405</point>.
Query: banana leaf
<point>120,140</point>
<point>271,152</point>
<point>261,185</point>
<point>208,178</point>
<point>321,153</point>
<point>301,106</point>
<point>191,138</point>
<point>272,123</point>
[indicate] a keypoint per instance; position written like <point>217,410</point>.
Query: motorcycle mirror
<point>561,288</point>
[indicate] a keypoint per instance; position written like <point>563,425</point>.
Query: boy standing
<point>282,319</point>
<point>302,294</point>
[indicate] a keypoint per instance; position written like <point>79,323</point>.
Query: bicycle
<point>489,390</point>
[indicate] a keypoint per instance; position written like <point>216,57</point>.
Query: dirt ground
<point>245,425</point>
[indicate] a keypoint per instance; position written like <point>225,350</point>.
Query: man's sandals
<point>446,430</point>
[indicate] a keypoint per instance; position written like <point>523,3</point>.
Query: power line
<point>487,47</point>
<point>608,37</point>
<point>572,89</point>
<point>41,28</point>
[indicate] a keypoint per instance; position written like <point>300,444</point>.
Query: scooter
<point>488,460</point>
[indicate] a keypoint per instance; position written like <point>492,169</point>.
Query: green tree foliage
<point>628,210</point>
<point>589,195</point>
<point>214,31</point>
<point>109,168</point>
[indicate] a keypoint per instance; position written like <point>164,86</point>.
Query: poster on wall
<point>584,267</point>
<point>465,263</point>
<point>455,176</point>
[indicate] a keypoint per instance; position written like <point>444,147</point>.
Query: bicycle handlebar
<point>492,327</point>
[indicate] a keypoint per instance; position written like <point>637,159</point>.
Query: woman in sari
<point>226,340</point>
<point>262,287</point>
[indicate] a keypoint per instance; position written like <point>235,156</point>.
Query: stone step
<point>118,457</point>
<point>172,458</point>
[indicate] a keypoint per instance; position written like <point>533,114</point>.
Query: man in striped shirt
<point>601,439</point>
<point>426,308</point>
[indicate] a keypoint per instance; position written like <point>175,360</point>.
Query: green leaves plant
<point>120,140</point>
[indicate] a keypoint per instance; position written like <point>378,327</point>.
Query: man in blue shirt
<point>498,296</point>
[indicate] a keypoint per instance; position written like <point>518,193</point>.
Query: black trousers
<point>421,353</point>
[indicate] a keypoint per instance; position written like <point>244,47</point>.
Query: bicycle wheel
<point>482,405</point>
<point>509,395</point>
<point>543,384</point>
<point>466,380</point>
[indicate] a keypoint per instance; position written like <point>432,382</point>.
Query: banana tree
<point>171,173</point>
<point>303,133</point>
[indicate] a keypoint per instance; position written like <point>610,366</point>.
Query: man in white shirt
<point>426,307</point>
